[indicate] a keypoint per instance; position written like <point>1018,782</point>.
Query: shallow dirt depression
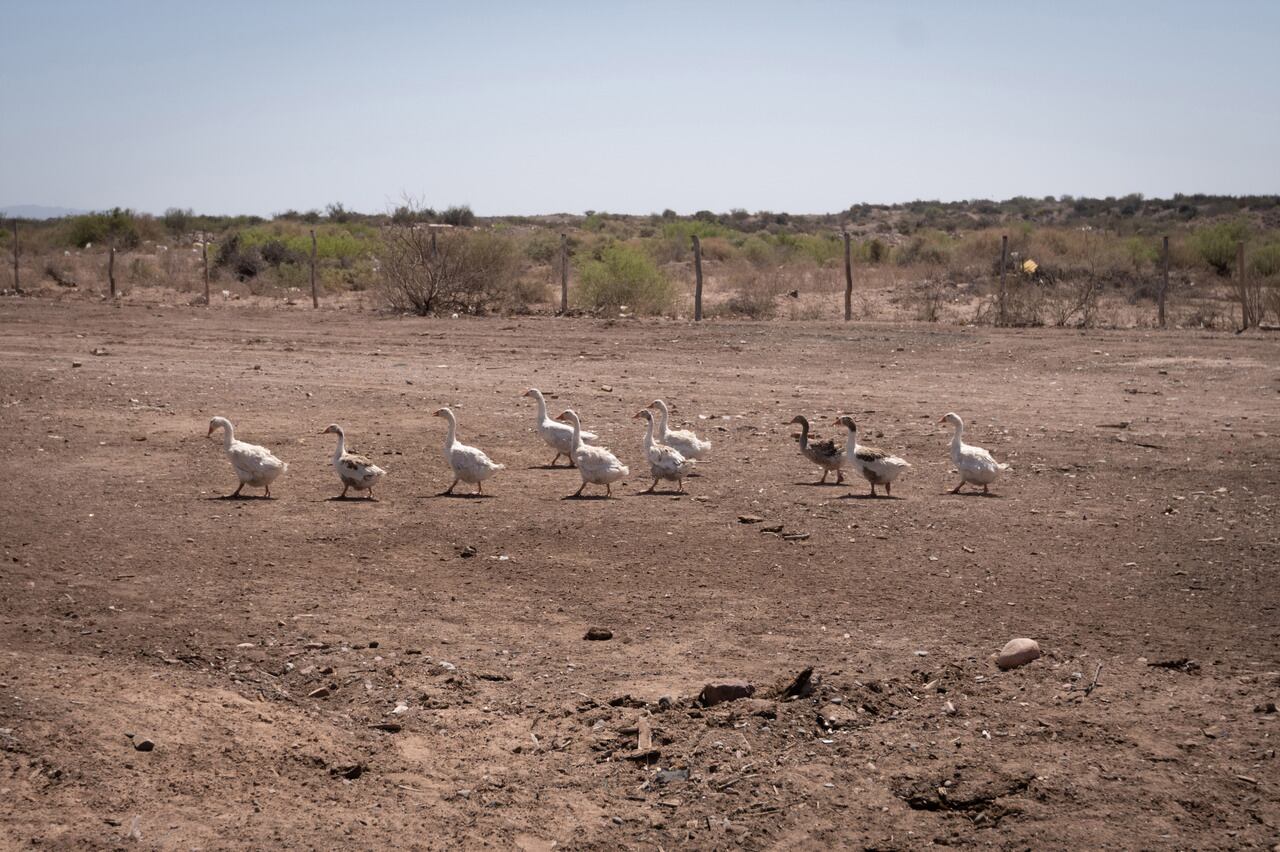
<point>413,671</point>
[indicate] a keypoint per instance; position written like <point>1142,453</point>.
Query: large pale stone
<point>1018,652</point>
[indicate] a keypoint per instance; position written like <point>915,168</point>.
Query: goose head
<point>533,392</point>
<point>658,405</point>
<point>568,416</point>
<point>847,422</point>
<point>332,429</point>
<point>799,419</point>
<point>443,412</point>
<point>951,418</point>
<point>218,423</point>
<point>644,414</point>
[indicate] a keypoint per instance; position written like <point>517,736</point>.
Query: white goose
<point>596,465</point>
<point>559,436</point>
<point>665,462</point>
<point>355,471</point>
<point>469,464</point>
<point>685,441</point>
<point>975,465</point>
<point>256,466</point>
<point>825,454</point>
<point>876,466</point>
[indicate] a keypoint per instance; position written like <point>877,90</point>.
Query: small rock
<point>319,692</point>
<point>77,363</point>
<point>389,727</point>
<point>761,707</point>
<point>143,744</point>
<point>837,716</point>
<point>467,552</point>
<point>725,690</point>
<point>1018,652</point>
<point>98,351</point>
<point>750,519</point>
<point>598,634</point>
<point>949,709</point>
<point>607,388</point>
<point>1265,707</point>
<point>1214,732</point>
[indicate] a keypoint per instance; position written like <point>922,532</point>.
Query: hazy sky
<point>527,107</point>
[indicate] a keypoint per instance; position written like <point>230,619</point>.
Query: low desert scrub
<point>458,271</point>
<point>623,275</point>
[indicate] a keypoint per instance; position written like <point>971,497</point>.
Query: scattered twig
<point>1091,686</point>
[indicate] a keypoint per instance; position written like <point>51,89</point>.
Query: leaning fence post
<point>204,256</point>
<point>1004,255</point>
<point>111,271</point>
<point>697,279</point>
<point>315,298</point>
<point>16,287</point>
<point>1164,283</point>
<point>848,280</point>
<point>1242,285</point>
<point>564,273</point>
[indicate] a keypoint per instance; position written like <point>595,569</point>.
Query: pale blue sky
<point>522,107</point>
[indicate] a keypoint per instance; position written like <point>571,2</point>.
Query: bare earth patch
<point>413,671</point>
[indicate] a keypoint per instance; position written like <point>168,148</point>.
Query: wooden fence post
<point>564,273</point>
<point>315,298</point>
<point>17,288</point>
<point>697,279</point>
<point>204,256</point>
<point>1247,319</point>
<point>1164,282</point>
<point>848,280</point>
<point>1004,257</point>
<point>111,271</point>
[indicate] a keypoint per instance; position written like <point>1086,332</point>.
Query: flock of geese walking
<point>671,453</point>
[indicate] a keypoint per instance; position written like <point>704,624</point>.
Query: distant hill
<point>38,211</point>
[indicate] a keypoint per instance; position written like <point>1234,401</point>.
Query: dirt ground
<point>413,672</point>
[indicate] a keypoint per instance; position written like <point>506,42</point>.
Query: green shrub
<point>623,275</point>
<point>120,227</point>
<point>1264,261</point>
<point>460,216</point>
<point>1216,244</point>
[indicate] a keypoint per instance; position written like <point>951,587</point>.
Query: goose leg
<point>578,493</point>
<point>650,489</point>
<point>839,476</point>
<point>823,480</point>
<point>236,493</point>
<point>888,489</point>
<point>873,489</point>
<point>984,490</point>
<point>267,488</point>
<point>556,459</point>
<point>371,497</point>
<point>680,483</point>
<point>449,490</point>
<point>343,495</point>
<point>956,490</point>
<point>480,488</point>
<point>608,489</point>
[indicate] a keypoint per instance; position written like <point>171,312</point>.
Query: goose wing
<point>253,462</point>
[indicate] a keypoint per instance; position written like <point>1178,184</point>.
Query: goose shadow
<point>862,496</point>
<point>811,484</point>
<point>550,467</point>
<point>340,499</point>
<point>587,497</point>
<point>237,498</point>
<point>467,496</point>
<point>668,493</point>
<point>988,494</point>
